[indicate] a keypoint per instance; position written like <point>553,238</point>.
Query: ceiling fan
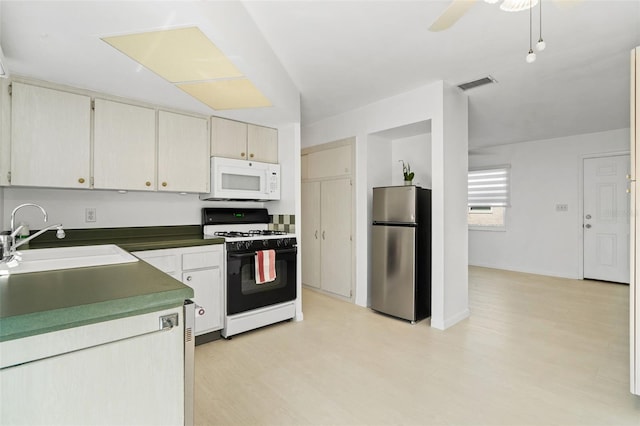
<point>458,8</point>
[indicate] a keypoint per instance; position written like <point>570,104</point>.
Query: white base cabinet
<point>124,372</point>
<point>202,269</point>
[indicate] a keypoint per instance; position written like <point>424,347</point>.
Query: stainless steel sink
<point>51,259</point>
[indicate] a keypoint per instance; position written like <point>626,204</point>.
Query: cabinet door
<point>311,234</point>
<point>208,295</point>
<point>135,377</point>
<point>328,163</point>
<point>50,138</point>
<point>335,253</point>
<point>124,146</point>
<point>228,138</point>
<point>5,136</point>
<point>183,153</point>
<point>262,144</point>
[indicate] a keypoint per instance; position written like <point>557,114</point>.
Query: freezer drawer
<point>393,287</point>
<point>394,204</point>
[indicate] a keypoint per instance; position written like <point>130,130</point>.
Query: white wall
<point>424,104</point>
<point>538,239</point>
<point>415,150</point>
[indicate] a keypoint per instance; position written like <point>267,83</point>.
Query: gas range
<point>251,248</point>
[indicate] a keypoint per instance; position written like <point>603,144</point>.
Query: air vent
<point>477,83</point>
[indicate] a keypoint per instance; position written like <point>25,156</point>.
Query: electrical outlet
<point>90,214</point>
<point>562,207</point>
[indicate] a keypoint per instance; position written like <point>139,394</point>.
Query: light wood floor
<point>535,351</point>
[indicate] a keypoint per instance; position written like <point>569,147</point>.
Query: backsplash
<point>283,222</point>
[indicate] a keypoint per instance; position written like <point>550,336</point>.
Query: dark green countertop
<point>130,239</point>
<point>41,302</point>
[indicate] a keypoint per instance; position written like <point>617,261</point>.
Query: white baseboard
<point>534,271</point>
<point>451,321</point>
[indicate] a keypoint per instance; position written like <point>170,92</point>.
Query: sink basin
<point>51,259</point>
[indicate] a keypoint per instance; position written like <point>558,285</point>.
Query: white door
<point>335,252</point>
<point>311,234</point>
<point>606,219</point>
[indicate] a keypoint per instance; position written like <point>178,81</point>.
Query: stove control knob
<point>265,243</point>
<point>279,243</point>
<point>286,242</point>
<point>247,244</point>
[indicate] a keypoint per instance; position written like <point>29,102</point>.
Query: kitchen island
<point>84,346</point>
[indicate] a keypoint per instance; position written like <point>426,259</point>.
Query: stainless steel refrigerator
<point>401,252</point>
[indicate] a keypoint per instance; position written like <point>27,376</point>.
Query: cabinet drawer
<point>166,263</point>
<point>201,260</point>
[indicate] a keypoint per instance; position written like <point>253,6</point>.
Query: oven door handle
<point>253,253</point>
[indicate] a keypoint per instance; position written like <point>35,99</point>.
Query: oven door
<point>243,294</point>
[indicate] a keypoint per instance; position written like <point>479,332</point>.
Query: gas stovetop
<point>244,229</point>
<point>250,233</point>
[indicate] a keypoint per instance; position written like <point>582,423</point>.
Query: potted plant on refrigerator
<point>407,173</point>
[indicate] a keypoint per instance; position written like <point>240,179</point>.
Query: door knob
<point>588,225</point>
<point>588,216</point>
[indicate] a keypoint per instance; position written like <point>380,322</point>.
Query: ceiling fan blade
<point>455,11</point>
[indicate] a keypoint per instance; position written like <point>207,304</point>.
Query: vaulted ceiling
<point>341,55</point>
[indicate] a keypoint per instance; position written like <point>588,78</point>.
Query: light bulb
<point>540,46</point>
<point>531,57</point>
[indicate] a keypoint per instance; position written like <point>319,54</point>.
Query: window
<point>488,195</point>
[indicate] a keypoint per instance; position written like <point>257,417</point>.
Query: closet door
<point>311,234</point>
<point>335,254</point>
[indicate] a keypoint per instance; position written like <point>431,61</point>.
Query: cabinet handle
<point>148,183</point>
<point>164,183</point>
<point>323,235</point>
<point>316,234</point>
<point>250,155</point>
<point>81,180</point>
<point>242,154</point>
<point>189,278</point>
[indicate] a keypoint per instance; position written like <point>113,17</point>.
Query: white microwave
<point>243,180</point>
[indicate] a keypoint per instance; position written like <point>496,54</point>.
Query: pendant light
<point>531,57</point>
<point>541,44</point>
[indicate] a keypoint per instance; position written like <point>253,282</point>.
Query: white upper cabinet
<point>124,146</point>
<point>242,141</point>
<point>50,137</point>
<point>183,153</point>
<point>262,144</point>
<point>228,138</point>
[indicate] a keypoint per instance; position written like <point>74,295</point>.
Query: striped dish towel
<point>265,266</point>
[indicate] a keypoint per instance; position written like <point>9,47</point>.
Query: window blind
<point>489,187</point>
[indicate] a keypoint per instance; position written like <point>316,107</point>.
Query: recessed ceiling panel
<point>184,54</point>
<point>227,94</point>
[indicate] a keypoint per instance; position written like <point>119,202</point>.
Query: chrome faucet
<point>8,242</point>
